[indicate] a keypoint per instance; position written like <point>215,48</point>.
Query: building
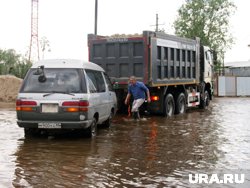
<point>236,80</point>
<point>238,68</point>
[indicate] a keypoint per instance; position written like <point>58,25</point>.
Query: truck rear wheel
<point>169,105</point>
<point>180,104</point>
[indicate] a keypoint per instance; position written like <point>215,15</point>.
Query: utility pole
<point>96,11</point>
<point>157,24</point>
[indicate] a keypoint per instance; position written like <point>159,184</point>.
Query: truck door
<point>208,65</point>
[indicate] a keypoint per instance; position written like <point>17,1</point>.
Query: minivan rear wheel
<point>92,129</point>
<point>29,132</point>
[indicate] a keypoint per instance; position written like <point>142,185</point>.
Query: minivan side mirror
<point>42,78</point>
<point>40,72</point>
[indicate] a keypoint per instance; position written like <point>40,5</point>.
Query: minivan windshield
<point>57,80</point>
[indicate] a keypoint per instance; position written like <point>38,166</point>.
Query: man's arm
<point>147,91</point>
<point>148,95</point>
<point>127,98</point>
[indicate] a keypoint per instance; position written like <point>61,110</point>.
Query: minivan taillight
<point>25,105</point>
<point>75,106</point>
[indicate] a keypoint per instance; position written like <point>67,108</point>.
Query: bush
<point>13,63</point>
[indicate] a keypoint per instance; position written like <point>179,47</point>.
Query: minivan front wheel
<point>107,123</point>
<point>92,129</point>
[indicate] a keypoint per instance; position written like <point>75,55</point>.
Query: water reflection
<point>43,162</point>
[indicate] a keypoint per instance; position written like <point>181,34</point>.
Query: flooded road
<point>156,152</point>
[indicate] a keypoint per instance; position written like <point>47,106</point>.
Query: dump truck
<point>177,71</point>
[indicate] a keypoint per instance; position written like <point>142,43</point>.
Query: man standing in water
<point>137,90</point>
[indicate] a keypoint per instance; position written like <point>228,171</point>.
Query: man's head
<point>132,80</point>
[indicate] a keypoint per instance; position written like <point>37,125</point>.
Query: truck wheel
<point>180,104</point>
<point>169,106</point>
<point>92,129</point>
<point>205,101</point>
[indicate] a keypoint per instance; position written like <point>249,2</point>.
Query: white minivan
<point>65,94</point>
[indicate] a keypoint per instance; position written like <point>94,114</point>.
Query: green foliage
<point>208,20</point>
<point>13,63</point>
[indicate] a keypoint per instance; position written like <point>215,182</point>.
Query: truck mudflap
<point>193,99</point>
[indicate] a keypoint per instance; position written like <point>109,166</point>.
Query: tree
<point>8,59</point>
<point>13,63</point>
<point>208,20</point>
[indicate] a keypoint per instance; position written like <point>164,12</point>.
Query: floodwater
<point>155,152</point>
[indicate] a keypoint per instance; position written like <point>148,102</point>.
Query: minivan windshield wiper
<point>54,92</point>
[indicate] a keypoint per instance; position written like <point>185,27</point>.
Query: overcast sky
<point>66,23</point>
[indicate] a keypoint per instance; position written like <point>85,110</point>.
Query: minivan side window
<point>96,82</point>
<point>108,82</point>
<point>92,87</point>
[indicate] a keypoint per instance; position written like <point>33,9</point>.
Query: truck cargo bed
<point>157,59</point>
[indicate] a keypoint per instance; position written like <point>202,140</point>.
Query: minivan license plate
<point>46,125</point>
<point>49,108</point>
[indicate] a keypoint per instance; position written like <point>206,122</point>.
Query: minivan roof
<point>67,63</point>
